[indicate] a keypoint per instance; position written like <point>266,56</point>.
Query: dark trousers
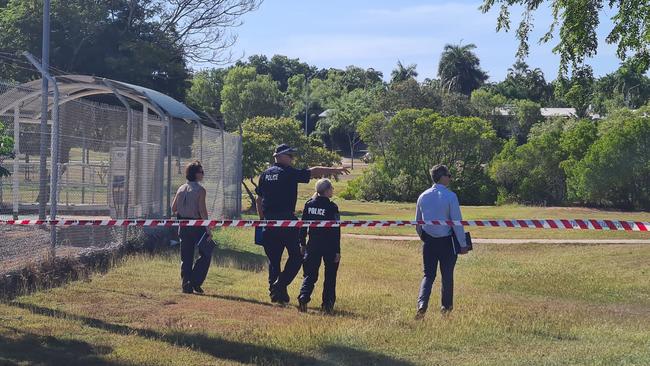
<point>311,267</point>
<point>275,241</point>
<point>434,251</point>
<point>194,273</point>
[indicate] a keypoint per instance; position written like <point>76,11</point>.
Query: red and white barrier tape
<point>571,224</point>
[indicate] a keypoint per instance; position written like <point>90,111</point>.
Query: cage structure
<point>121,153</point>
<point>114,160</point>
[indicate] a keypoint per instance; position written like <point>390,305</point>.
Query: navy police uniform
<point>278,188</point>
<point>324,244</point>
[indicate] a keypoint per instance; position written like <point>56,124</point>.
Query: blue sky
<point>377,33</point>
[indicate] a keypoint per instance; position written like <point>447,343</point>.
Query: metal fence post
<point>161,169</point>
<point>240,153</point>
<point>170,141</point>
<point>44,67</point>
<point>16,179</point>
<point>54,148</point>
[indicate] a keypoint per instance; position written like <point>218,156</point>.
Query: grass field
<point>514,305</point>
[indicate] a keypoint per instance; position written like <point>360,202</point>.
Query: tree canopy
<point>247,94</point>
<point>143,42</point>
<point>459,69</point>
<point>576,23</point>
<point>403,73</point>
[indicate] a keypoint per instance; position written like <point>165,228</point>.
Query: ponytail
<point>322,186</point>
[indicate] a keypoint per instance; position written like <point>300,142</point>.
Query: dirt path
<point>509,241</point>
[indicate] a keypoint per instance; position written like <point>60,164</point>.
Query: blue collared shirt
<point>439,203</point>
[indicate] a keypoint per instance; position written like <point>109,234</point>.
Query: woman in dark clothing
<point>189,204</point>
<point>324,244</point>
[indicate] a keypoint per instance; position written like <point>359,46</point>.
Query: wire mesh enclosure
<point>114,161</point>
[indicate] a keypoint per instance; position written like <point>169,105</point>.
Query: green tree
<point>536,172</point>
<point>525,83</point>
<point>374,131</point>
<point>6,149</point>
<point>459,69</point>
<point>280,68</point>
<point>577,23</point>
<point>414,141</point>
<point>144,42</point>
<point>527,113</point>
<point>346,115</point>
<point>627,87</point>
<point>354,77</point>
<point>115,39</point>
<point>303,97</point>
<point>326,92</point>
<point>615,169</point>
<point>530,173</point>
<point>246,94</point>
<point>578,92</point>
<point>205,91</point>
<point>455,104</point>
<point>262,134</point>
<point>403,73</point>
<point>407,94</point>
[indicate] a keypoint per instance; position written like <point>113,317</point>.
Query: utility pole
<point>45,66</point>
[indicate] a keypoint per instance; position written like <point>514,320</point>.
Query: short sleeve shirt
<point>278,187</point>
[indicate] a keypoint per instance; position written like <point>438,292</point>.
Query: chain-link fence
<point>103,170</point>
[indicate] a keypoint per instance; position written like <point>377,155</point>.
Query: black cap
<point>284,149</point>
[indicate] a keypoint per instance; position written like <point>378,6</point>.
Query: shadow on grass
<point>341,355</point>
<point>245,261</point>
<point>315,311</point>
<point>242,299</point>
<point>214,346</point>
<point>28,348</point>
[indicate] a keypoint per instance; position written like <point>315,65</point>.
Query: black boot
<point>198,290</point>
<point>187,287</point>
<point>302,306</point>
<point>327,309</point>
<point>279,294</point>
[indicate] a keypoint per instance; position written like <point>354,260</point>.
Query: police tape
<point>560,224</point>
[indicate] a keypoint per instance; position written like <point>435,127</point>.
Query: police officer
<point>324,244</point>
<point>277,196</point>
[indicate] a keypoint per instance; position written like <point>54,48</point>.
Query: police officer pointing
<point>277,194</point>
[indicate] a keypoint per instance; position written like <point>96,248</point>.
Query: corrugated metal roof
<point>72,87</point>
<point>170,105</point>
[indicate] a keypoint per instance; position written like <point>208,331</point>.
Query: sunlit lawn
<point>352,209</point>
<point>515,305</point>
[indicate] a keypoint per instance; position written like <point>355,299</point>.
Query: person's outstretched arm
<point>324,171</point>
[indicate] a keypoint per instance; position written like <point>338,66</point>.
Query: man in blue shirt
<point>439,203</point>
<point>277,194</point>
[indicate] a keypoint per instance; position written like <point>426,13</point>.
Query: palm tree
<point>403,73</point>
<point>459,69</point>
